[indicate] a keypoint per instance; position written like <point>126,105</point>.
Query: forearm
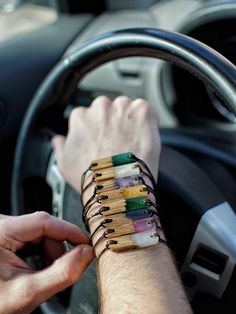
<point>144,279</point>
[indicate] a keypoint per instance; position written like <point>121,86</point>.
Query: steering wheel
<point>215,232</point>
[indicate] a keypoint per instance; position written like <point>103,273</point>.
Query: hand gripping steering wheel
<point>216,228</point>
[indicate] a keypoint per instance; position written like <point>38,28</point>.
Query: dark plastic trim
<point>181,177</point>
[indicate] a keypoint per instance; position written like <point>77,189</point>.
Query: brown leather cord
<point>91,198</point>
<point>97,175</point>
<point>150,177</point>
<point>109,242</point>
<point>103,236</point>
<point>163,241</point>
<point>148,201</point>
<point>83,189</point>
<point>102,197</point>
<point>146,174</point>
<point>87,186</point>
<point>147,168</point>
<point>86,210</point>
<point>88,205</point>
<point>160,239</point>
<point>82,184</point>
<point>106,221</point>
<point>106,208</point>
<point>95,198</point>
<point>99,212</point>
<point>147,188</point>
<point>151,221</point>
<point>102,224</point>
<point>151,190</point>
<point>154,193</point>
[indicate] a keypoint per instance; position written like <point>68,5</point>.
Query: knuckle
<point>42,216</point>
<point>121,100</point>
<point>141,106</point>
<point>101,100</point>
<point>76,114</point>
<point>140,102</point>
<point>100,107</point>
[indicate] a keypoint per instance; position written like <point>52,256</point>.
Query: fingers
<point>63,272</point>
<point>19,230</point>
<point>102,107</point>
<point>58,143</point>
<point>121,104</point>
<point>139,110</point>
<point>102,101</point>
<point>31,289</point>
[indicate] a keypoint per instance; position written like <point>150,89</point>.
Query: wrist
<point>124,184</point>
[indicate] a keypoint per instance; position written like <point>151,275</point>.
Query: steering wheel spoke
<point>57,184</point>
<point>36,156</point>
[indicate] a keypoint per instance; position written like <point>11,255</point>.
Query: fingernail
<point>86,251</point>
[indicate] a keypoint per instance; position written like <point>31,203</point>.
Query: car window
<point>21,16</point>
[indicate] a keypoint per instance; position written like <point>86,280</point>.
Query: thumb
<point>58,143</point>
<point>61,274</point>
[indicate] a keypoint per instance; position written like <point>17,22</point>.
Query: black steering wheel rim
<point>208,65</point>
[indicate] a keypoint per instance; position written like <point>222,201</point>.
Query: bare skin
<point>136,281</point>
<point>21,288</point>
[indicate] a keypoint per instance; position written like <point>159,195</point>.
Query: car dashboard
<point>165,86</point>
<point>194,123</point>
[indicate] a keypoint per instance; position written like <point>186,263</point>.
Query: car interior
<point>179,55</point>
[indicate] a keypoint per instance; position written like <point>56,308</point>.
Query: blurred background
<point>20,16</point>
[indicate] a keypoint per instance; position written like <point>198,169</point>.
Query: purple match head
<point>144,224</point>
<point>128,181</point>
